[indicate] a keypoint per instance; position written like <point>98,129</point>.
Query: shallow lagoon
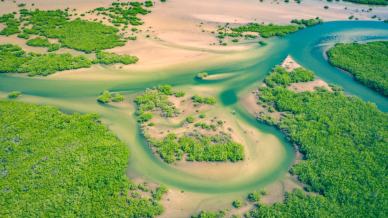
<point>306,46</point>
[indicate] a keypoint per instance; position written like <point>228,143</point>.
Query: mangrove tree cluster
<point>344,144</point>
<point>368,63</point>
<point>192,145</point>
<point>15,59</point>
<point>54,164</point>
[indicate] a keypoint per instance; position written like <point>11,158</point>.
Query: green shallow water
<point>306,46</point>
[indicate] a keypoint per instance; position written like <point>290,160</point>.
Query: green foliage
<point>280,76</point>
<point>266,31</point>
<point>11,24</point>
<point>55,164</point>
<point>210,214</point>
<point>237,203</point>
<point>11,58</point>
<point>45,64</point>
<point>117,97</point>
<point>23,36</point>
<point>42,42</point>
<point>343,140</point>
<point>112,58</point>
<point>38,42</point>
<point>14,59</point>
<point>156,99</point>
<point>77,34</point>
<point>107,97</point>
<point>189,119</point>
<point>148,3</point>
<point>159,192</point>
<point>124,13</point>
<point>254,196</point>
<point>206,126</point>
<point>198,147</point>
<point>308,22</point>
<point>179,94</point>
<point>369,2</point>
<point>367,62</point>
<point>201,75</point>
<point>54,47</point>
<point>203,100</point>
<point>144,117</point>
<point>14,94</point>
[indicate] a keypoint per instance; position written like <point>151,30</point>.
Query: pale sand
<point>259,158</point>
<point>177,35</point>
<point>309,86</point>
<point>289,64</point>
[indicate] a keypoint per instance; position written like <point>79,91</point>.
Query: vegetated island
<point>255,30</point>
<point>367,62</point>
<point>369,2</point>
<point>343,142</point>
<point>38,27</point>
<point>55,164</point>
<point>177,127</point>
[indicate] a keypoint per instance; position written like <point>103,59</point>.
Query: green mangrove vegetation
<point>343,142</point>
<point>51,165</point>
<point>254,30</point>
<point>112,58</point>
<point>266,30</point>
<point>369,2</point>
<point>156,99</point>
<point>43,42</point>
<point>77,34</point>
<point>281,77</point>
<point>307,22</point>
<point>124,13</point>
<point>210,214</point>
<point>198,147</point>
<point>11,24</point>
<point>14,94</point>
<point>107,97</point>
<point>366,62</point>
<point>14,59</point>
<point>203,100</point>
<point>192,145</point>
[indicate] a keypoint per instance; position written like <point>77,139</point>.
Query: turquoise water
<point>306,46</point>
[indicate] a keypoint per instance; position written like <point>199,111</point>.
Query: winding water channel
<point>306,46</point>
